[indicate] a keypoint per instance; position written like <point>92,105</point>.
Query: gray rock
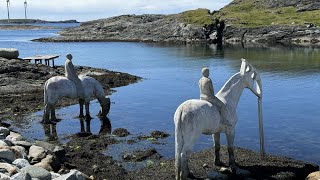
<point>24,144</point>
<point>55,175</point>
<point>73,175</point>
<point>21,163</point>
<point>7,153</point>
<point>47,146</point>
<point>10,169</point>
<point>36,153</point>
<point>314,176</point>
<point>4,176</point>
<point>8,142</point>
<point>9,53</point>
<point>217,175</point>
<point>37,172</point>
<point>5,131</point>
<point>14,137</point>
<point>2,136</point>
<point>3,143</point>
<point>21,176</point>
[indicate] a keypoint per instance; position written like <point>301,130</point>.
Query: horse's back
<point>197,114</point>
<point>59,86</point>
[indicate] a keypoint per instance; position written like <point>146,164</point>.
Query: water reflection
<point>50,130</point>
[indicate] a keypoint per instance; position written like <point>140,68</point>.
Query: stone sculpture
<point>71,74</point>
<point>59,86</point>
<point>195,117</point>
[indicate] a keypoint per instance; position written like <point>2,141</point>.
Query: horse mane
<point>233,80</point>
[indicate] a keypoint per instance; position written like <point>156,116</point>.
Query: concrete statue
<point>195,117</point>
<point>82,88</point>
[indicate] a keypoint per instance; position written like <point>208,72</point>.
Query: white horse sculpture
<point>59,86</point>
<point>195,117</point>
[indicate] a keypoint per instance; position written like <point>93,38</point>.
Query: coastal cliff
<point>247,21</point>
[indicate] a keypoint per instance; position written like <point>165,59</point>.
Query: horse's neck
<point>99,92</point>
<point>231,92</point>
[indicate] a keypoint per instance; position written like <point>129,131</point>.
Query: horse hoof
<point>218,163</point>
<point>81,116</point>
<point>88,117</point>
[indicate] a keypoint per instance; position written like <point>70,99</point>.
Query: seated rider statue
<point>71,74</point>
<point>207,94</point>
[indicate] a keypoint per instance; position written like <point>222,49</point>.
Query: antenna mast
<point>8,4</point>
<point>25,9</point>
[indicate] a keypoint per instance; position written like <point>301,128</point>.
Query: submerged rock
<point>121,132</point>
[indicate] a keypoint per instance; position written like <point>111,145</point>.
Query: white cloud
<point>83,10</point>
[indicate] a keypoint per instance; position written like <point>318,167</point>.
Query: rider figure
<point>207,94</point>
<point>71,74</point>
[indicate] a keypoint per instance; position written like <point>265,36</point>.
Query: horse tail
<point>178,142</point>
<point>45,93</point>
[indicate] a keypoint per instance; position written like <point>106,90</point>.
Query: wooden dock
<point>39,58</point>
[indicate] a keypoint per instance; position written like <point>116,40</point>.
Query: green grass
<point>198,16</point>
<point>248,14</point>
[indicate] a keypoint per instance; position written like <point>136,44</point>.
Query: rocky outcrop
<point>144,28</point>
<point>298,35</point>
<point>42,162</point>
<point>9,53</point>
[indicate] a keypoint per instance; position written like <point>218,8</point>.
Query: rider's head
<point>69,56</point>
<point>205,72</point>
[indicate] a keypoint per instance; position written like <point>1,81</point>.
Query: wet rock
<point>37,172</point>
<point>13,136</point>
<point>314,176</point>
<point>54,175</point>
<point>159,134</point>
<point>9,53</point>
<point>4,176</point>
<point>121,132</point>
<point>205,166</point>
<point>60,153</point>
<point>21,163</point>
<point>24,144</point>
<point>217,175</point>
<point>73,174</point>
<point>10,169</point>
<point>243,172</point>
<point>139,155</point>
<point>23,175</point>
<point>4,131</point>
<point>36,153</point>
<point>8,154</point>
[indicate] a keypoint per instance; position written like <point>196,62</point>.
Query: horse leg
<point>184,163</point>
<point>81,103</point>
<point>82,126</point>
<point>216,137</point>
<point>87,110</point>
<point>53,114</point>
<point>230,141</point>
<point>88,125</point>
<point>46,115</point>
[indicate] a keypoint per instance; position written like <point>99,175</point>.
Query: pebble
<point>21,163</point>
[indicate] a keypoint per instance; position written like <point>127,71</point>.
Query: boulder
<point>4,176</point>
<point>14,137</point>
<point>10,169</point>
<point>36,153</point>
<point>46,163</point>
<point>314,176</point>
<point>37,172</point>
<point>47,146</point>
<point>21,163</point>
<point>20,152</point>
<point>6,153</point>
<point>55,175</point>
<point>3,143</point>
<point>24,144</point>
<point>73,175</point>
<point>9,53</point>
<point>21,176</point>
<point>4,131</point>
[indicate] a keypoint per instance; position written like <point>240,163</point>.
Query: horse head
<point>104,107</point>
<point>251,78</point>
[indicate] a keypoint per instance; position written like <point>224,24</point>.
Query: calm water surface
<point>290,77</point>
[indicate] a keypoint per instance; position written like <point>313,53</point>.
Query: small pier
<point>39,58</point>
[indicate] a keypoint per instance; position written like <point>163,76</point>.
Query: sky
<point>85,10</point>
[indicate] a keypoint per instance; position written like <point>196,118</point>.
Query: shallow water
<point>290,77</point>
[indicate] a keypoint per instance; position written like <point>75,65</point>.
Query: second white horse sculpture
<point>195,117</point>
<point>59,86</point>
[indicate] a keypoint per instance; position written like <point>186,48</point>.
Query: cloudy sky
<point>83,10</point>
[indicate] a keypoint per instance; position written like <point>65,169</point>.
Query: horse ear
<point>243,66</point>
